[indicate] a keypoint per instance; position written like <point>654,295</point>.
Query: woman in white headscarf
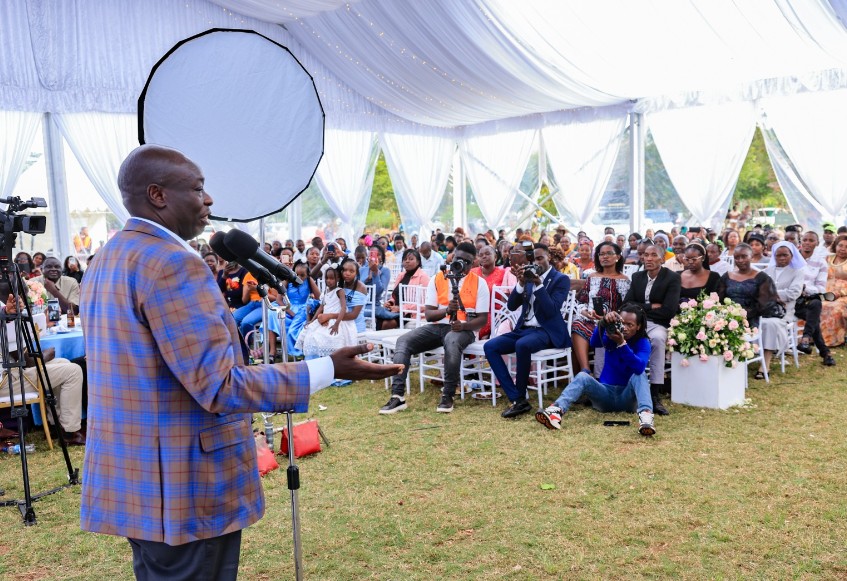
<point>786,269</point>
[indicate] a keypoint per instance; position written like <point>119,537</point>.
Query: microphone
<point>245,247</point>
<point>261,273</point>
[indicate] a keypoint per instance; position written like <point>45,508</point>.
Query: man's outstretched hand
<point>349,366</point>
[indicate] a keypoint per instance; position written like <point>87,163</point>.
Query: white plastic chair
<point>756,339</point>
<point>474,363</point>
<point>629,270</point>
<point>791,329</point>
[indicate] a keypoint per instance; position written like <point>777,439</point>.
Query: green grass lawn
<point>758,491</point>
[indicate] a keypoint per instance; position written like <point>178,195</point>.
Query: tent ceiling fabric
<point>448,67</point>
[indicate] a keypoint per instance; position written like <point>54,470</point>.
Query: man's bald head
<point>146,165</point>
<point>162,185</point>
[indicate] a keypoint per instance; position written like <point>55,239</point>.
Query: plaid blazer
<point>170,455</point>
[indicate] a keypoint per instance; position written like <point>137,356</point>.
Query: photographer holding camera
<point>623,385</point>
<point>455,322</point>
<point>540,292</point>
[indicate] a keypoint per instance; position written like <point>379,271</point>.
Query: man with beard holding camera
<point>540,293</point>
<point>454,325</point>
<point>623,385</point>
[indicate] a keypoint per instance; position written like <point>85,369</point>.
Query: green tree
<point>757,185</point>
<point>383,213</point>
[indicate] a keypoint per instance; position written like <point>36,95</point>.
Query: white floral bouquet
<point>710,327</point>
<point>37,293</point>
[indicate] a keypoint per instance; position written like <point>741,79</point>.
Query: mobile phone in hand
<point>599,309</point>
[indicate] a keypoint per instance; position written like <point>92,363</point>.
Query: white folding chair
<point>412,304</point>
<point>551,366</point>
<point>370,321</point>
<point>474,363</point>
<point>791,329</point>
<point>629,270</point>
<point>756,339</point>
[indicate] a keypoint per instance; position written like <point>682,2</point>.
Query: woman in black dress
<point>697,278</point>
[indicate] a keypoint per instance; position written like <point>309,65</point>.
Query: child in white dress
<point>326,331</point>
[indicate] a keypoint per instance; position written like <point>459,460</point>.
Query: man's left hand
<point>457,326</point>
<point>349,366</point>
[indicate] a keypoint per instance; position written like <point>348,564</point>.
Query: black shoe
<point>829,361</point>
<point>394,405</point>
<point>804,347</point>
<point>516,409</point>
<point>659,408</point>
<point>445,406</point>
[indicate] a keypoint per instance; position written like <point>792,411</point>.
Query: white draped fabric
<point>703,149</point>
<point>100,142</point>
<point>495,165</point>
<point>17,130</point>
<point>419,167</point>
<point>812,129</point>
<point>345,177</point>
<point>582,156</point>
<point>801,203</point>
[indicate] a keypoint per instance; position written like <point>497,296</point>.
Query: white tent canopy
<point>457,69</point>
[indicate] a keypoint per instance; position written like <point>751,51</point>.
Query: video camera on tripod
<point>24,339</point>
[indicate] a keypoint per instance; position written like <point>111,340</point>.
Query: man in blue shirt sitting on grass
<point>623,384</point>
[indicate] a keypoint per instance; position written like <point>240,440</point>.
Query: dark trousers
<point>812,329</point>
<point>523,343</point>
<point>214,559</point>
<point>427,338</point>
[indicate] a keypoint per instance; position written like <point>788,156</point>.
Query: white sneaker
<point>646,419</point>
<point>550,417</point>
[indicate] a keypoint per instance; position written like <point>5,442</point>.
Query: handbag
<point>307,439</point>
<point>773,310</point>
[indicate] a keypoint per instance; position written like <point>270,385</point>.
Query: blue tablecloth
<point>68,345</point>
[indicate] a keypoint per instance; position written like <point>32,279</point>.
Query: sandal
<point>759,375</point>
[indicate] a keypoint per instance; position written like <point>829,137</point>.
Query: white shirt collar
<point>170,233</point>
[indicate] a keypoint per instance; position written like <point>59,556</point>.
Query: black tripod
<point>26,342</point>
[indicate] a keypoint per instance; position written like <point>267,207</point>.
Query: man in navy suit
<point>540,296</point>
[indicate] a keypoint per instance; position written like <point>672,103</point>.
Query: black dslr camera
<point>455,270</point>
<point>529,250</point>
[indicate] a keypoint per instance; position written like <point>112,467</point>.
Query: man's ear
<point>156,195</point>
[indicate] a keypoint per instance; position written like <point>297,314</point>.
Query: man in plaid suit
<point>171,460</point>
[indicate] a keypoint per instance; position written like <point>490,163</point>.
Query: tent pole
<point>295,218</point>
<point>57,190</point>
<point>636,171</point>
<point>460,195</point>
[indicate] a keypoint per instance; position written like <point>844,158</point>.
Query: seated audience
<point>834,313</point>
<point>494,276</point>
<point>297,313</point>
<point>26,266</point>
<point>71,268</point>
<point>377,275</point>
<point>756,292</point>
<point>560,262</point>
<point>63,288</point>
<point>697,278</point>
<point>716,262</point>
<point>540,293</point>
<point>431,260</point>
<point>313,262</point>
<point>300,251</point>
<point>808,307</point>
<point>787,270</point>
<point>630,253</point>
<point>730,241</point>
<point>38,259</point>
<point>584,261</point>
<point>330,258</point>
<point>828,228</point>
<point>211,260</point>
<point>450,327</point>
<point>757,243</point>
<point>610,285</point>
<point>329,329</point>
<point>676,263</point>
<point>355,293</point>
<point>388,316</point>
<point>662,241</point>
<point>657,289</point>
<point>66,377</point>
<point>230,281</point>
<point>623,384</point>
